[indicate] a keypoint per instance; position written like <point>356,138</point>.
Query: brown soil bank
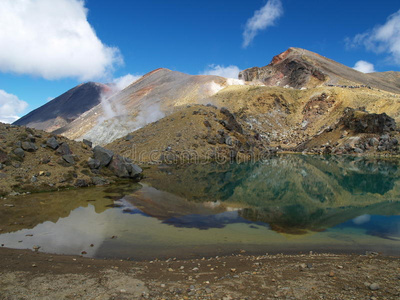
<point>28,275</point>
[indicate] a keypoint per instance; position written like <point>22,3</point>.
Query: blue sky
<point>135,37</point>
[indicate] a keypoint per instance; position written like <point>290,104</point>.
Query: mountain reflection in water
<point>294,194</point>
<point>286,203</point>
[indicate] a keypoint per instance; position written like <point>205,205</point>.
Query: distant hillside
<point>65,108</point>
<point>155,95</point>
<point>288,103</point>
<point>299,68</point>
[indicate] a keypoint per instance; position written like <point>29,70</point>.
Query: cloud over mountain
<point>52,39</point>
<point>10,107</point>
<point>364,66</point>
<point>381,39</point>
<point>261,20</point>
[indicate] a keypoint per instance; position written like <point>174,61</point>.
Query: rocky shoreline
<point>37,161</point>
<point>32,275</point>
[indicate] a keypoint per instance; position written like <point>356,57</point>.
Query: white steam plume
<point>218,70</point>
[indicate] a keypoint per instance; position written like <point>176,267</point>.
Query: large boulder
<point>93,163</point>
<point>69,159</point>
<point>19,152</point>
<point>52,143</point>
<point>124,168</point>
<point>64,149</point>
<point>231,124</point>
<point>29,146</point>
<point>104,156</point>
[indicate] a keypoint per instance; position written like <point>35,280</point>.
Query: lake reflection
<point>287,203</point>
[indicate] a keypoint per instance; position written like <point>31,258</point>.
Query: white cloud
<point>10,107</point>
<point>52,39</point>
<point>262,19</point>
<point>382,39</point>
<point>364,66</point>
<point>227,72</point>
<point>124,81</point>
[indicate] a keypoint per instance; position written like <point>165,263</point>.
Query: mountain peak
<point>64,108</point>
<point>301,68</point>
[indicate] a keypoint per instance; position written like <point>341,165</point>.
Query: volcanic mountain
<point>300,99</point>
<point>300,68</point>
<point>65,108</point>
<point>147,100</point>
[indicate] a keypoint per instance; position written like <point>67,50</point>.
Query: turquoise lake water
<point>286,204</point>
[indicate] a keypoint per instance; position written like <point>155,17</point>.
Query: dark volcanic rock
<point>64,149</point>
<point>19,152</point>
<point>231,124</point>
<point>52,143</point>
<point>364,122</point>
<point>81,183</point>
<point>104,156</point>
<point>93,163</point>
<point>3,157</point>
<point>99,181</point>
<point>134,170</point>
<point>28,146</point>
<point>124,168</point>
<point>129,137</point>
<point>87,143</point>
<point>69,159</point>
<point>31,138</point>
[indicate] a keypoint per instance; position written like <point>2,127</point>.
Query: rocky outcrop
<point>103,156</point>
<point>124,168</point>
<point>286,69</point>
<point>34,161</point>
<point>356,132</point>
<point>363,122</point>
<point>300,68</point>
<point>121,167</point>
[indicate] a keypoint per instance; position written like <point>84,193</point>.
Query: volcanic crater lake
<point>285,204</point>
